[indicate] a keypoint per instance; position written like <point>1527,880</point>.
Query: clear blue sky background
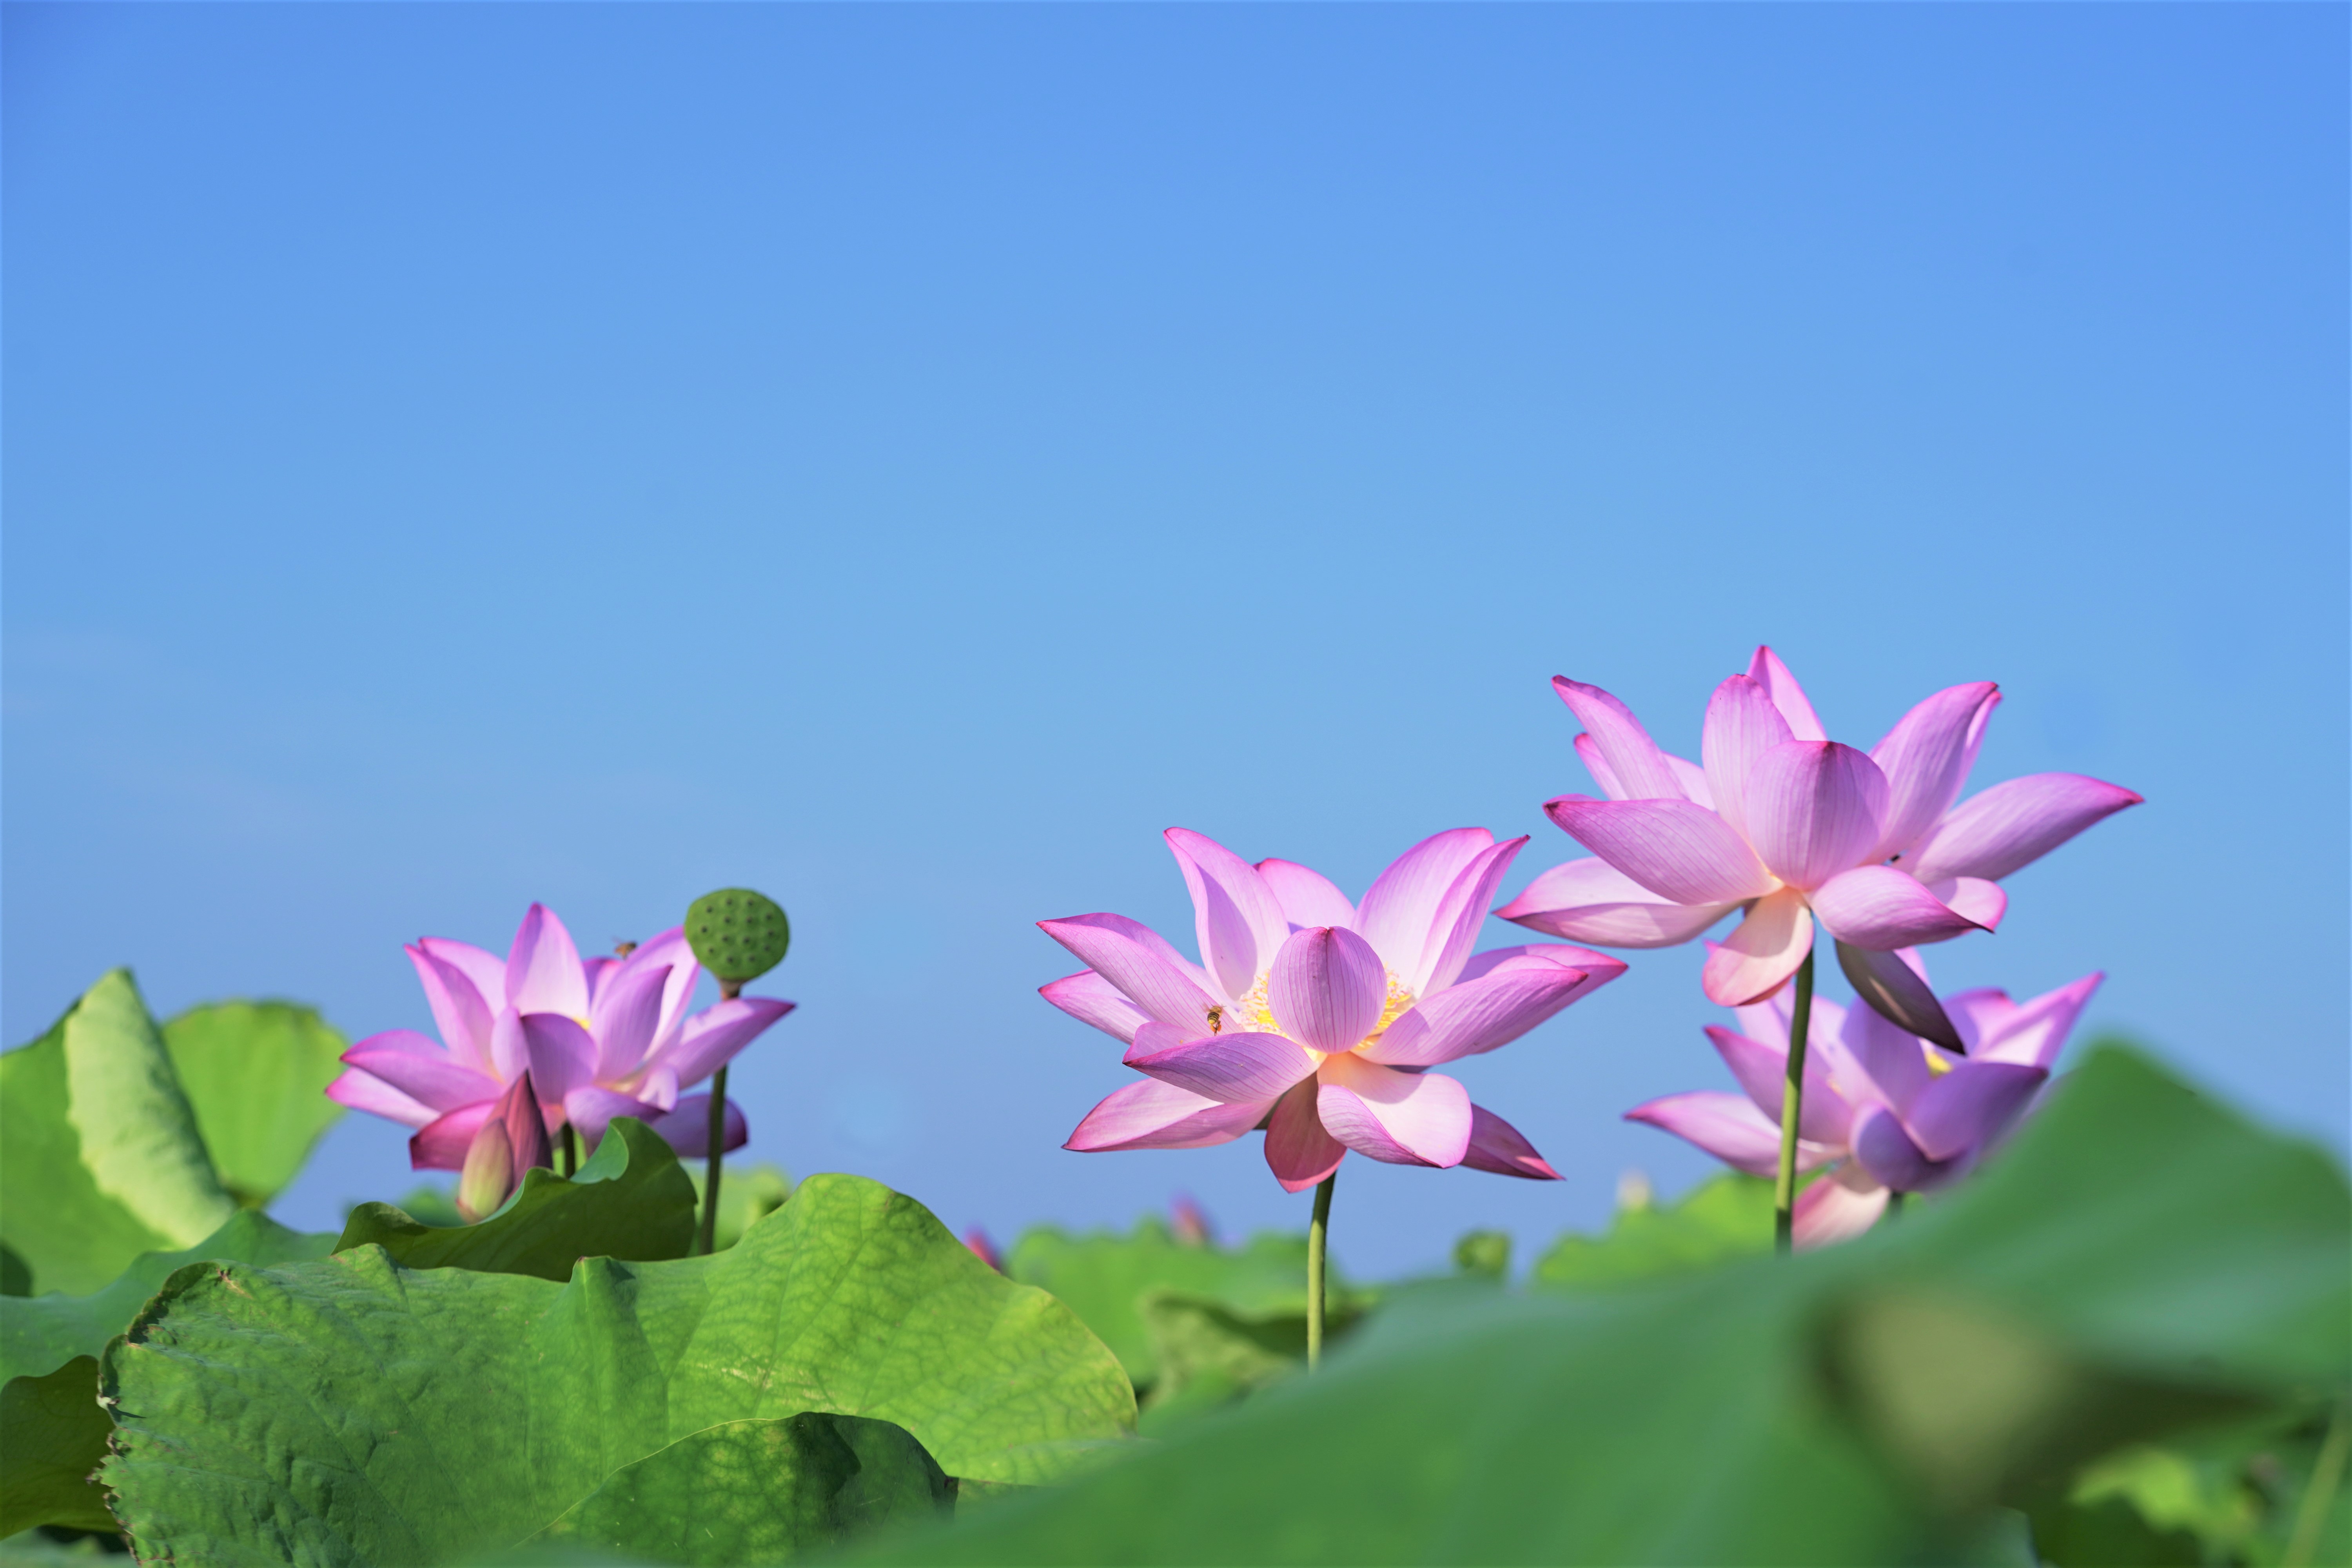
<point>904,458</point>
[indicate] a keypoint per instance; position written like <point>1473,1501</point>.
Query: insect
<point>1217,1020</point>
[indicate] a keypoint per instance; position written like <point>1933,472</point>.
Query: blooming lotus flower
<point>1315,1018</point>
<point>1790,827</point>
<point>1887,1111</point>
<point>610,1036</point>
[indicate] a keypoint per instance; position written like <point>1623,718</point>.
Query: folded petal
<point>1299,1150</point>
<point>2013,824</point>
<point>563,1059</point>
<point>1762,1070</point>
<point>1154,1115</point>
<point>1885,1151</point>
<point>1599,967</point>
<point>1479,1015</point>
<point>624,1018</point>
<point>487,970</point>
<point>1461,914</point>
<point>429,1077</point>
<point>1496,1146</point>
<point>592,1108</point>
<point>1741,726</point>
<point>1591,901</point>
<point>1898,994</point>
<point>712,1037</point>
<point>687,1127</point>
<point>1236,915</point>
<point>1967,1111</point>
<point>1091,999</point>
<point>362,1090</point>
<point>1152,1039</point>
<point>1973,898</point>
<point>1401,906</point>
<point>1140,961</point>
<point>1883,908</point>
<point>458,1010</point>
<point>1400,1117</point>
<point>441,1143</point>
<point>1925,759</point>
<point>1676,849</point>
<point>1840,1206</point>
<point>1232,1069</point>
<point>1328,988</point>
<point>1727,1127</point>
<point>2034,1032</point>
<point>1632,760</point>
<point>1814,809</point>
<point>543,972</point>
<point>1767,670</point>
<point>1761,951</point>
<point>1307,896</point>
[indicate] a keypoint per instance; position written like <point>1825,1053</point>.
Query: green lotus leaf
<point>1727,1216</point>
<point>255,1075</point>
<point>52,1436</point>
<point>355,1410</point>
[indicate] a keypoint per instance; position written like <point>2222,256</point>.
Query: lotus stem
<point>1318,1231</point>
<point>728,991</point>
<point>570,1152</point>
<point>1792,1105</point>
<point>2319,1492</point>
<point>1894,1202</point>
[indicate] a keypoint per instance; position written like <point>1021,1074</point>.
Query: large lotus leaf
<point>630,1200</point>
<point>1727,1216</point>
<point>2166,1256</point>
<point>748,1493</point>
<point>93,1120</point>
<point>52,1436</point>
<point>1104,1277</point>
<point>256,1073</point>
<point>355,1410</point>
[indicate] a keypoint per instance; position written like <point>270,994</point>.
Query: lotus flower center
<point>1255,1011</point>
<point>1938,1064</point>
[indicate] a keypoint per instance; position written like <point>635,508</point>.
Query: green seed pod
<point>738,934</point>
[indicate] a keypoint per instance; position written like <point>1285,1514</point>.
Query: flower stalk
<point>1317,1232</point>
<point>728,991</point>
<point>1792,1104</point>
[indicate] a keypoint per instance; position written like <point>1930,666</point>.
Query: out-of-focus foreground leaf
<point>630,1200</point>
<point>2138,1260</point>
<point>255,1075</point>
<point>1727,1216</point>
<point>99,1151</point>
<point>356,1411</point>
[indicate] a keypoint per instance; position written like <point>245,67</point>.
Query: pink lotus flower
<point>1790,825</point>
<point>1889,1110</point>
<point>1315,1018</point>
<point>607,1037</point>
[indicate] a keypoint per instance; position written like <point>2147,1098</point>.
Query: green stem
<point>1317,1230</point>
<point>2319,1492</point>
<point>1894,1202</point>
<point>710,1170</point>
<point>570,1151</point>
<point>1792,1105</point>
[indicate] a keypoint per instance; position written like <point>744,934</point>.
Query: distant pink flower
<point>1315,1018</point>
<point>607,1037</point>
<point>1789,825</point>
<point>976,1240</point>
<point>1887,1111</point>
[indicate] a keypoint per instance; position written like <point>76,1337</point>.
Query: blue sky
<point>904,458</point>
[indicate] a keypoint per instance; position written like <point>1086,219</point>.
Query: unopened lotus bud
<point>526,1128</point>
<point>488,1175</point>
<point>737,934</point>
<point>1191,1222</point>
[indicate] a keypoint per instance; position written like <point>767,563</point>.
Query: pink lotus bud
<point>1190,1221</point>
<point>488,1175</point>
<point>984,1248</point>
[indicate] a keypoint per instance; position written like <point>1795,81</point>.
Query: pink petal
<point>1840,1206</point>
<point>1727,1127</point>
<point>1308,898</point>
<point>1893,1061</point>
<point>1762,1070</point>
<point>712,1037</point>
<point>1787,695</point>
<point>1587,751</point>
<point>1591,901</point>
<point>2012,825</point>
<point>1496,1146</point>
<point>1885,1150</point>
<point>1480,1015</point>
<point>1239,921</point>
<point>458,1010</point>
<point>1814,809</point>
<point>1232,1069</point>
<point>1091,999</point>
<point>1891,986</point>
<point>1925,759</point>
<point>1973,898</point>
<point>543,972</point>
<point>592,1109</point>
<point>488,970</point>
<point>441,1145</point>
<point>687,1128</point>
<point>510,1052</point>
<point>362,1090</point>
<point>526,1126</point>
<point>1152,1039</point>
<point>624,1018</point>
<point>1326,988</point>
<point>1741,726</point>
<point>1883,908</point>
<point>1460,915</point>
<point>1693,778</point>
<point>1761,951</point>
<point>1677,851</point>
<point>432,1079</point>
<point>2034,1032</point>
<point>563,1059</point>
<point>1968,1109</point>
<point>668,950</point>
<point>1398,912</point>
<point>1155,1115</point>
<point>1299,1150</point>
<point>1599,967</point>
<point>1140,961</point>
<point>1634,761</point>
<point>1400,1117</point>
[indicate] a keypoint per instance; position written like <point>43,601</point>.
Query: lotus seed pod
<point>738,934</point>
